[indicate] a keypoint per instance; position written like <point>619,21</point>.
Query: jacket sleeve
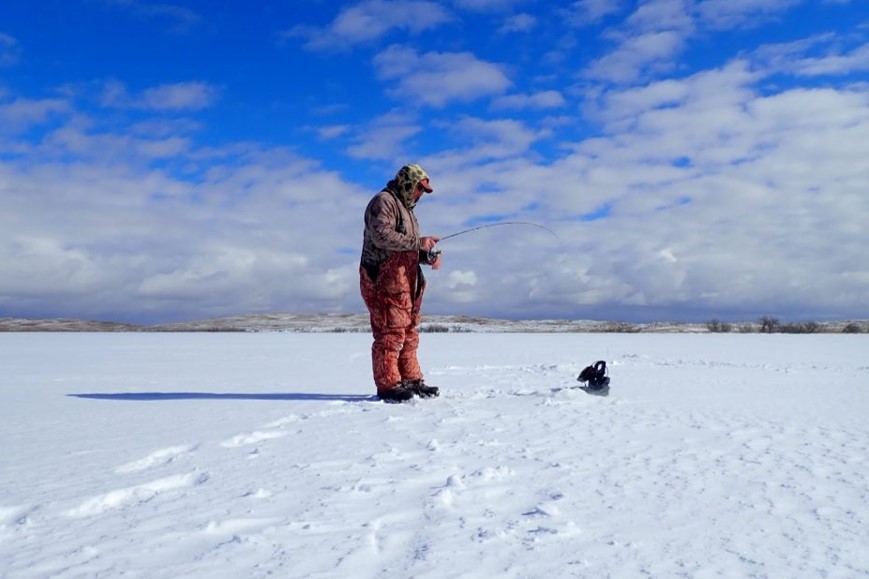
<point>381,218</point>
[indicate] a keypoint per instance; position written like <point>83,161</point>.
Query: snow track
<point>264,455</point>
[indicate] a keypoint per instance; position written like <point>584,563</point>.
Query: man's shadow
<point>169,396</point>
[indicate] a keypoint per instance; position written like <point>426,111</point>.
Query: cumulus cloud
<point>647,43</point>
<point>583,12</point>
<point>437,78</point>
<point>735,188</point>
<point>714,186</point>
<point>383,138</point>
<point>723,89</point>
<point>638,56</point>
<point>459,278</point>
<point>332,132</point>
<point>547,99</point>
<point>740,13</point>
<point>20,114</point>
<point>77,141</point>
<point>382,142</point>
<point>180,96</point>
<point>660,15</point>
<point>135,239</point>
<point>819,55</point>
<point>370,20</point>
<point>184,96</point>
<point>488,5</point>
<point>518,23</point>
<point>493,138</point>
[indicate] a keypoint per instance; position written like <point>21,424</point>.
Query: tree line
<point>772,325</point>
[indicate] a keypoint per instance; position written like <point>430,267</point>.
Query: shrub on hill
<point>852,328</point>
<point>719,327</point>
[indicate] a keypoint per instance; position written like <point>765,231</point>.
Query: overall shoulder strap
<point>399,223</point>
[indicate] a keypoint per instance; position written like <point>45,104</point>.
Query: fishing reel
<point>433,254</point>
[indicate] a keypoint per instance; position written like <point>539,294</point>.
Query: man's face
<point>420,190</point>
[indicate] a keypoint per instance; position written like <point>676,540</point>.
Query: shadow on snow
<point>163,396</point>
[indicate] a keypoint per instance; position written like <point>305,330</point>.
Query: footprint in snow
<point>252,438</point>
<point>136,495</point>
<point>235,527</point>
<point>156,458</point>
<point>11,517</point>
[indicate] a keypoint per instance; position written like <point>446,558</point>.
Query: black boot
<point>419,388</point>
<point>400,393</point>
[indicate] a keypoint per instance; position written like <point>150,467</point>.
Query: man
<point>392,284</point>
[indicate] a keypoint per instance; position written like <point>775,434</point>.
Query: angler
<point>392,284</point>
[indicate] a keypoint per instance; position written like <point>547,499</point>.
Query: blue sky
<point>165,161</point>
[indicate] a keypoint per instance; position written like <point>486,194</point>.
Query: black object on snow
<point>595,377</point>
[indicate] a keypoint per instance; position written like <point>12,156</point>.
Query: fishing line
<point>436,252</point>
<point>500,223</point>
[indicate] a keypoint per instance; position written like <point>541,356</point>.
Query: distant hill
<point>359,323</point>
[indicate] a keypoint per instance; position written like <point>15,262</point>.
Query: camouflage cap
<point>410,175</point>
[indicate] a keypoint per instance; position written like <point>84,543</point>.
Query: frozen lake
<point>254,455</point>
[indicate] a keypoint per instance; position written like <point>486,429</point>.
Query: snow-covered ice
<point>255,455</point>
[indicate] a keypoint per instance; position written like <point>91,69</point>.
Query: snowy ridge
<point>359,323</point>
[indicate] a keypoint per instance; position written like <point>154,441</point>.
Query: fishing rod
<point>434,253</point>
<point>500,223</point>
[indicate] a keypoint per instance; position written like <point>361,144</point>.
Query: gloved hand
<point>427,243</point>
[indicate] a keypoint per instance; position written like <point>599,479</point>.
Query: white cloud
<point>776,214</point>
<point>184,96</point>
<point>724,14</point>
<point>436,78</point>
<point>180,96</point>
<point>164,127</point>
<point>222,270</point>
<point>725,88</point>
<point>487,5</point>
<point>662,15</point>
<point>548,99</point>
<point>636,56</point>
<point>795,58</point>
<point>382,142</point>
<point>10,50</point>
<point>48,263</point>
<point>729,188</point>
<point>134,240</point>
<point>458,278</point>
<point>518,23</point>
<point>763,181</point>
<point>493,139</point>
<point>384,138</point>
<point>21,114</point>
<point>583,12</point>
<point>332,132</point>
<point>462,286</point>
<point>79,142</point>
<point>370,20</point>
<point>648,43</point>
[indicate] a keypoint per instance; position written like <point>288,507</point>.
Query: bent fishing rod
<point>435,252</point>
